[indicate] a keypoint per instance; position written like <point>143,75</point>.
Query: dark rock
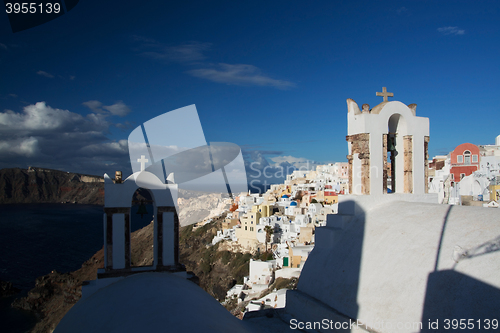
<point>55,293</point>
<point>7,289</point>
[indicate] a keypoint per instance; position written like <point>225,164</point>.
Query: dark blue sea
<point>38,238</point>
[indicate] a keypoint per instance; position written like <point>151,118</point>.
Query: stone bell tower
<point>388,148</point>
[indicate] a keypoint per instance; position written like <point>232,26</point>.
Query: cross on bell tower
<point>385,94</point>
<point>143,160</point>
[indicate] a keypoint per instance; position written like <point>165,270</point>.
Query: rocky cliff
<point>36,185</point>
<point>55,293</point>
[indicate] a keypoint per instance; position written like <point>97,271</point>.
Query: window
<point>251,228</point>
<point>245,227</point>
<point>452,176</point>
<point>474,159</point>
<point>460,159</point>
<point>462,175</point>
<point>467,157</point>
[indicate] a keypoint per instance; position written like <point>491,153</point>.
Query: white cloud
<point>42,73</point>
<point>27,147</point>
<point>192,53</point>
<point>94,106</point>
<point>239,75</point>
<point>451,31</point>
<point>120,147</point>
<point>60,139</point>
<point>117,109</point>
<point>40,117</point>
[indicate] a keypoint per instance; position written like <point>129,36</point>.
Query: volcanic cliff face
<point>36,185</point>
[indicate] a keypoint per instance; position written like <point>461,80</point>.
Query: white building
<point>226,234</point>
<point>274,300</point>
<point>437,183</point>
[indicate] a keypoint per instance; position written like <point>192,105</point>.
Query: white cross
<point>143,162</point>
<point>385,94</point>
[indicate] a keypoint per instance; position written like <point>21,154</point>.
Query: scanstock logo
<point>171,149</point>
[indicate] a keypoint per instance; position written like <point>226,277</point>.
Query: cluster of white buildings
<point>282,222</point>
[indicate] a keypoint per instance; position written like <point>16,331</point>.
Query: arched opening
<point>396,165</point>
<point>141,228</point>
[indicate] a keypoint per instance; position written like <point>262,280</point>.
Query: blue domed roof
<point>285,196</point>
<point>293,203</point>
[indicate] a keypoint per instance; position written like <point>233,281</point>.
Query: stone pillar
<point>408,163</point>
<point>349,172</point>
<point>365,173</point>
<point>426,164</point>
<point>360,144</point>
<point>384,163</point>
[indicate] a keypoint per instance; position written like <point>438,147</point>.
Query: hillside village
<point>282,221</point>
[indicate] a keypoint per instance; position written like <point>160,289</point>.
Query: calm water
<point>38,238</point>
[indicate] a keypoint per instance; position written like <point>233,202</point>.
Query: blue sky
<point>271,77</point>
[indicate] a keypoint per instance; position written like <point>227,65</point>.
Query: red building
<point>464,161</point>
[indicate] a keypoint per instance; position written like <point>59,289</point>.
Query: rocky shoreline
<point>55,293</point>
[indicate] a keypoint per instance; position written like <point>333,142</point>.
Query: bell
<point>142,209</point>
<point>390,145</point>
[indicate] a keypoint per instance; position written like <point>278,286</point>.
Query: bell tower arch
<point>117,204</point>
<point>387,148</point>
